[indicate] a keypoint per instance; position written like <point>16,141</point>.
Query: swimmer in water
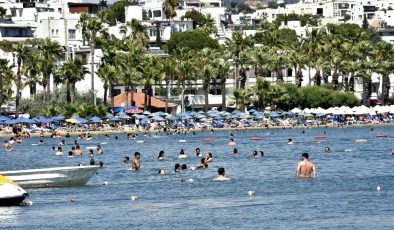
<point>198,152</point>
<point>327,149</point>
<point>235,151</point>
<point>183,166</point>
<point>78,151</point>
<point>8,147</point>
<point>208,157</point>
<point>100,149</point>
<point>91,153</point>
<point>261,153</point>
<point>182,154</point>
<point>63,142</point>
<point>161,172</point>
<point>305,167</point>
<point>221,176</point>
<point>232,142</point>
<point>203,164</point>
<point>177,168</point>
<point>255,154</point>
<point>392,151</point>
<point>161,155</point>
<point>290,141</point>
<point>135,164</point>
<point>59,152</point>
<point>126,159</point>
<point>41,142</point>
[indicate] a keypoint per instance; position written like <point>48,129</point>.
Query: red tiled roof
<point>139,101</point>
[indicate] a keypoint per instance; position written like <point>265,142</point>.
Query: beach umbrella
<point>172,118</point>
<point>274,115</point>
<point>235,112</point>
<point>146,113</point>
<point>200,116</point>
<point>45,120</point>
<point>140,116</point>
<point>114,119</point>
<point>320,115</point>
<point>82,120</point>
<point>72,120</point>
<point>296,110</point>
<point>4,118</point>
<point>134,111</point>
<point>157,118</point>
<point>201,112</point>
<point>58,118</point>
<point>96,120</point>
<point>123,115</point>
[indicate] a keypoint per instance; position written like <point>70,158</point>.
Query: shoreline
<point>133,131</point>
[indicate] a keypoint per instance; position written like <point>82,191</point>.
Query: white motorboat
<point>11,194</point>
<point>52,177</point>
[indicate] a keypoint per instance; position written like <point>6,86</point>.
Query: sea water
<point>343,196</point>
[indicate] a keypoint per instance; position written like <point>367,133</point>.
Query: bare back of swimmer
<point>305,168</point>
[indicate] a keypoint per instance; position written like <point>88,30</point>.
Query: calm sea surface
<point>343,196</point>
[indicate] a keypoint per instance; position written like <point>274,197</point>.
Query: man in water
<point>221,176</point>
<point>305,167</point>
<point>135,164</point>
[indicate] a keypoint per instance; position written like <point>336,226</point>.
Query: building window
<point>71,34</point>
<point>53,32</point>
<point>13,12</point>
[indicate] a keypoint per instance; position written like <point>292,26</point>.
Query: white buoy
<point>190,180</point>
<point>105,183</point>
<point>91,147</point>
<point>140,141</point>
<point>378,188</point>
<point>134,197</point>
<point>193,168</point>
<point>182,140</point>
<point>251,193</point>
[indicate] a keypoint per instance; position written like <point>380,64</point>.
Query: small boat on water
<point>11,194</point>
<point>52,177</point>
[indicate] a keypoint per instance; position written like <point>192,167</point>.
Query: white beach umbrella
<point>296,110</point>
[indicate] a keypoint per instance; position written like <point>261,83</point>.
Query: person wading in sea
<point>305,167</point>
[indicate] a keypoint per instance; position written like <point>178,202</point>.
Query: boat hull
<point>11,201</point>
<point>52,177</point>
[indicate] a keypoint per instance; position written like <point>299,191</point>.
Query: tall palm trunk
<point>126,96</point>
<point>31,91</point>
<point>351,83</point>
<point>146,98</point>
<point>68,92</point>
<point>326,74</point>
<point>366,90</point>
<point>105,86</point>
<point>206,91</point>
<point>317,78</point>
<point>242,78</point>
<point>385,88</point>
<point>334,83</point>
<point>111,96</point>
<point>132,95</point>
<point>92,49</point>
<point>18,87</point>
<point>183,99</point>
<point>223,89</point>
<point>299,78</point>
<point>48,93</point>
<point>168,94</point>
<point>237,74</point>
<point>279,75</point>
<point>1,92</point>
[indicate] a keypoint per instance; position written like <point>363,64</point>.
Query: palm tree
<point>107,75</point>
<point>186,73</point>
<point>223,67</point>
<point>83,25</point>
<point>169,9</point>
<point>93,27</point>
<point>298,61</point>
<point>236,45</point>
<point>242,98</point>
<point>170,70</point>
<point>208,74</point>
<point>261,91</point>
<point>49,52</point>
<point>31,71</point>
<point>21,53</point>
<point>151,73</point>
<point>71,72</point>
<point>138,32</point>
<point>365,53</point>
<point>6,76</point>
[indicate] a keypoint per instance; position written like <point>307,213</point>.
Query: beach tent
<point>58,118</point>
<point>45,120</point>
<point>296,110</point>
<point>157,118</point>
<point>114,119</point>
<point>4,118</point>
<point>72,120</point>
<point>122,115</point>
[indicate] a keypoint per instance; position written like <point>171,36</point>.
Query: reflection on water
<point>343,196</point>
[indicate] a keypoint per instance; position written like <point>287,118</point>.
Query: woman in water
<point>161,155</point>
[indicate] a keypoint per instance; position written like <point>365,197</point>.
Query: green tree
<point>191,40</point>
<point>223,67</point>
<point>107,74</point>
<point>186,73</point>
<point>6,76</point>
<point>48,53</point>
<point>70,73</point>
<point>261,91</point>
<point>21,52</point>
<point>242,99</point>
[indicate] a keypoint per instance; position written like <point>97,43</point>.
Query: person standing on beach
<point>305,167</point>
<point>135,164</point>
